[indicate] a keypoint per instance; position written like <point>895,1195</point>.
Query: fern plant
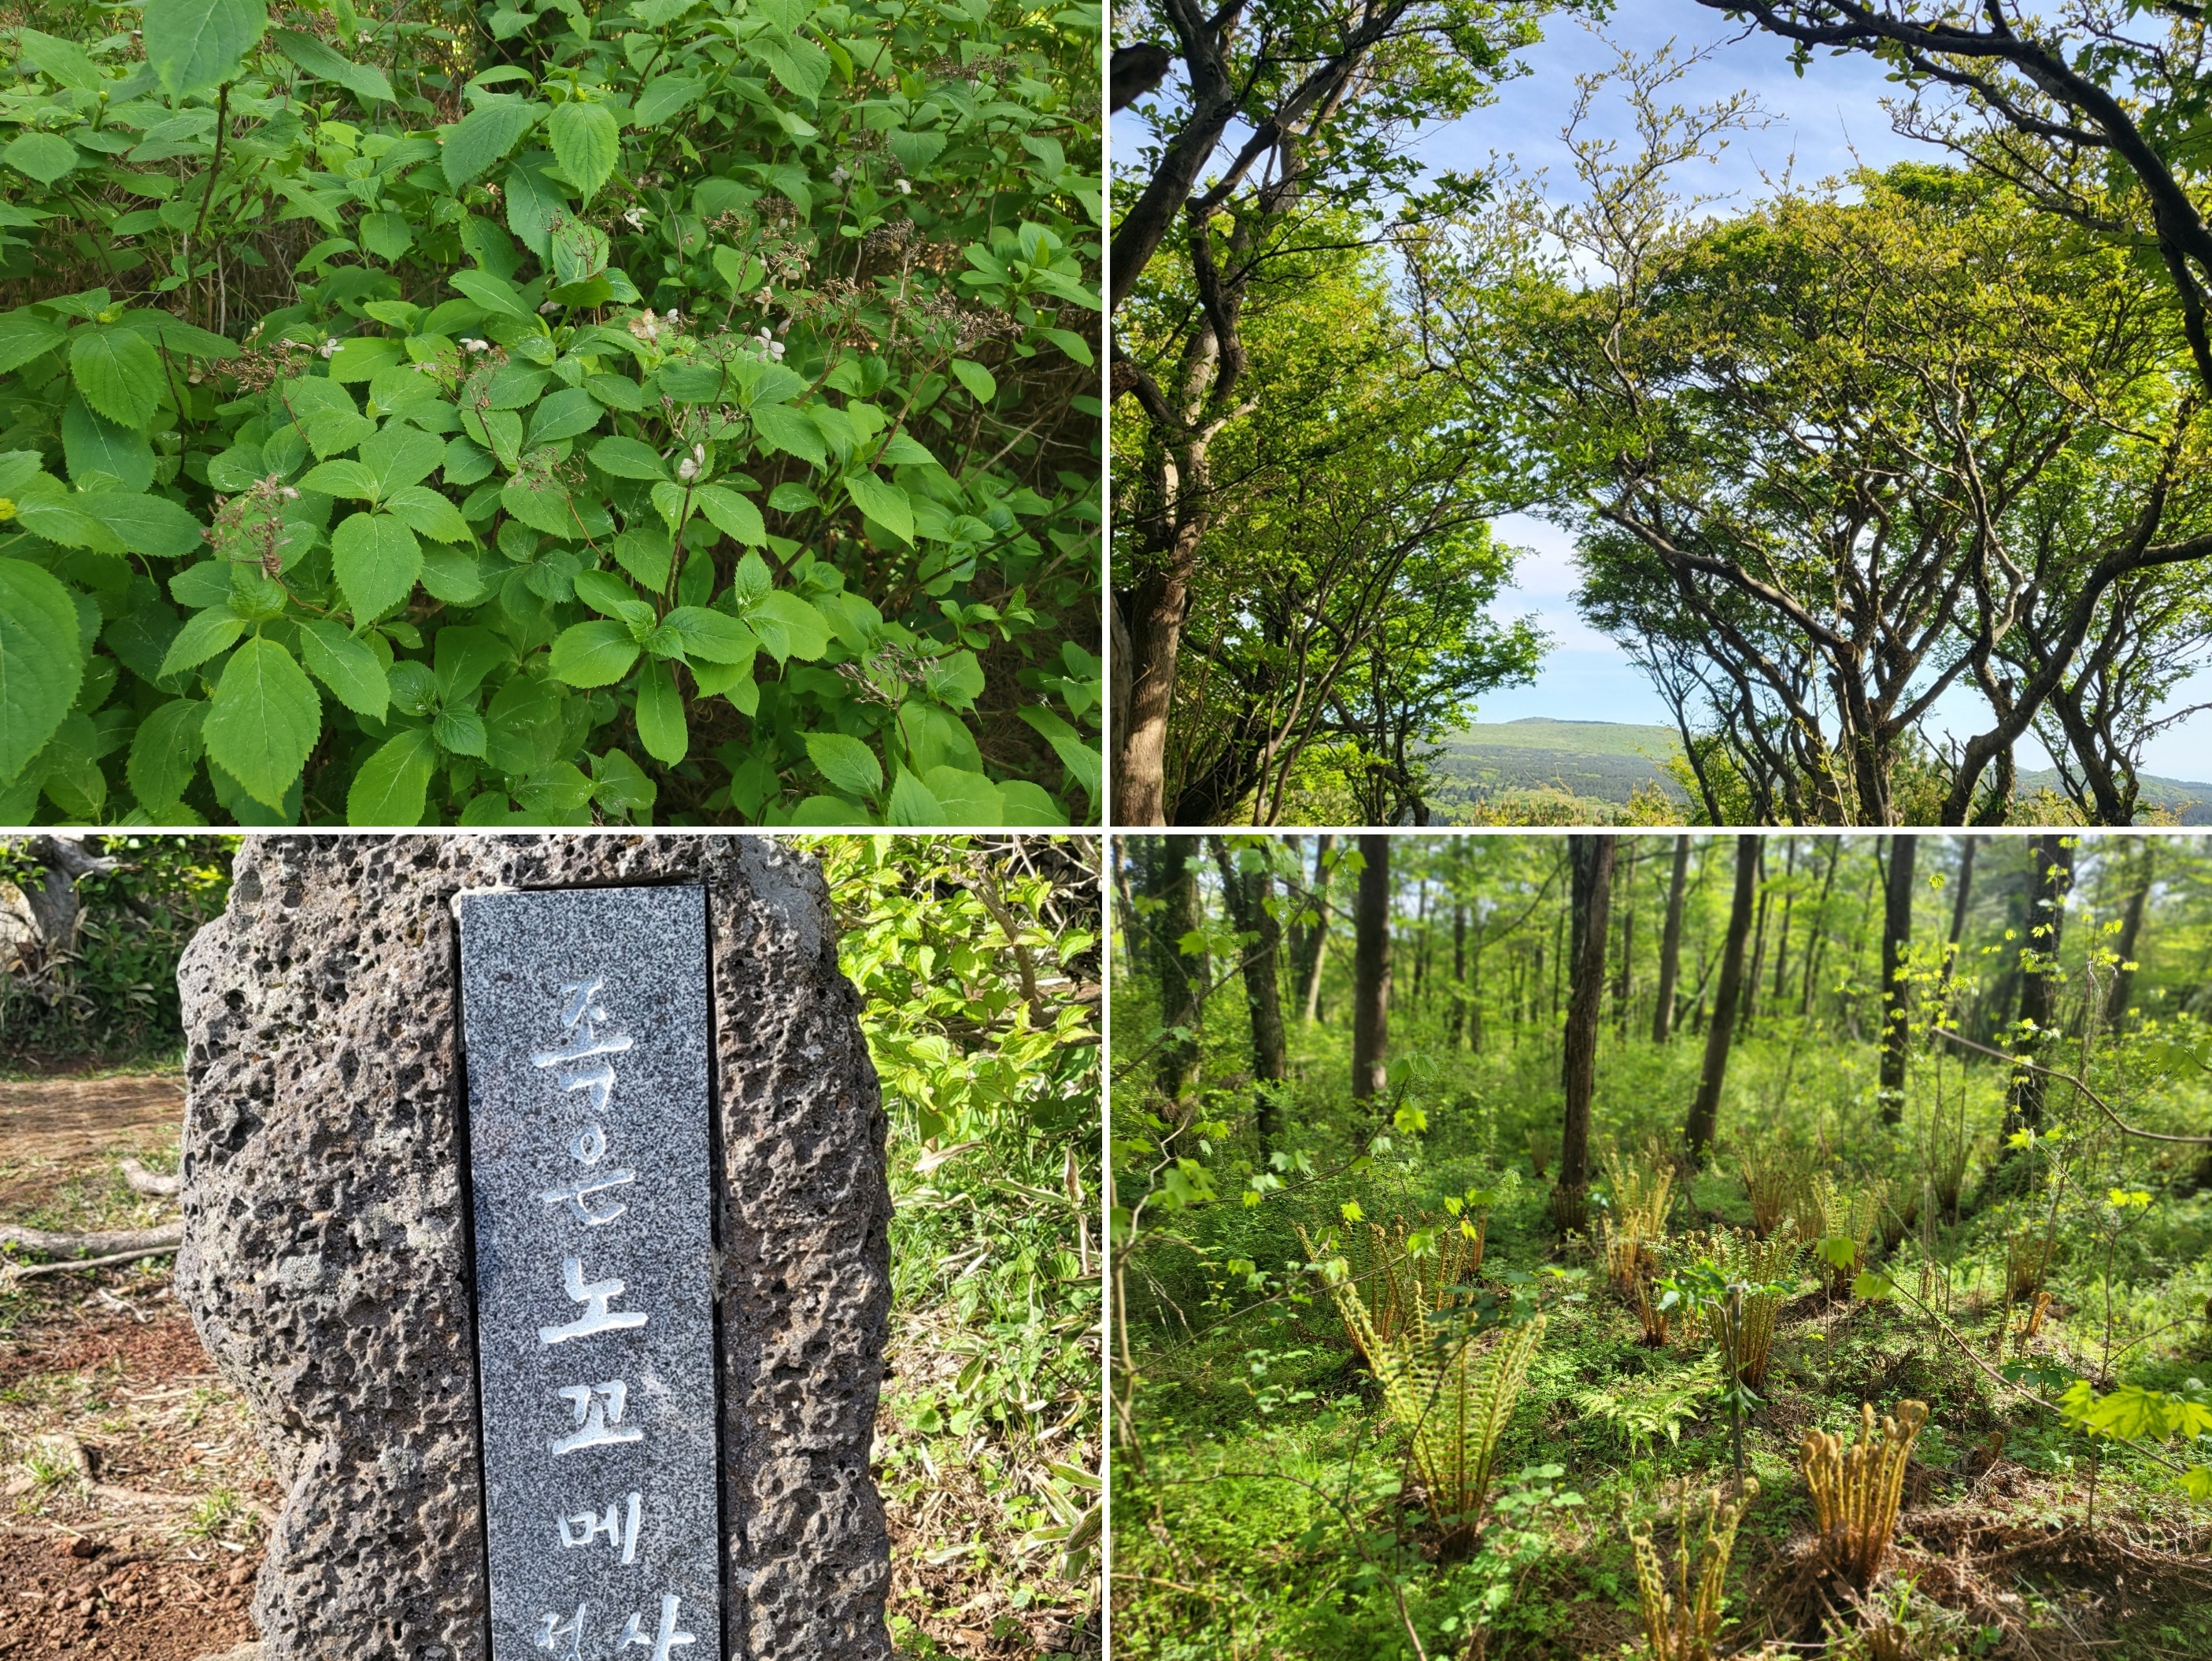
<point>1399,1268</point>
<point>1840,1223</point>
<point>1774,1177</point>
<point>1637,1228</point>
<point>1453,1390</point>
<point>1857,1489</point>
<point>1682,1610</point>
<point>1766,1271</point>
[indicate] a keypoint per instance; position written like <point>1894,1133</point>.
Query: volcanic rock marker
<point>631,1239</point>
<point>586,1021</point>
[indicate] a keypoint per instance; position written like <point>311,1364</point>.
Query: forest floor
<point>134,1499</point>
<point>1269,1511</point>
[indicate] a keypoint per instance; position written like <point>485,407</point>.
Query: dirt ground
<point>133,1498</point>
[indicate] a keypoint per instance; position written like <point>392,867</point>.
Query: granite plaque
<point>584,1017</point>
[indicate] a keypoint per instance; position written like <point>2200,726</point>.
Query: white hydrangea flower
<point>330,346</point>
<point>904,189</point>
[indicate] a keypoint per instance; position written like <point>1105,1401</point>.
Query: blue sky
<point>1820,126</point>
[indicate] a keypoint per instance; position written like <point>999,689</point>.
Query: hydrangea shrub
<point>665,409</point>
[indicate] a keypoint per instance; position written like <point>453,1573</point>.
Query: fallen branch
<point>143,1181</point>
<point>24,1272</point>
<point>164,1239</point>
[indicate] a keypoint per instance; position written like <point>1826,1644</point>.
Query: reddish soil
<point>167,1348</point>
<point>59,1122</point>
<point>128,1605</point>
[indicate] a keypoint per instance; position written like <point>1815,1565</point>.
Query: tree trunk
<point>1370,972</point>
<point>1310,1008</point>
<point>1474,996</point>
<point>2123,973</point>
<point>1670,943</point>
<point>1820,928</point>
<point>1591,858</point>
<point>1749,1011</point>
<point>2050,876</point>
<point>1170,878</point>
<point>1960,901</point>
<point>1421,945</point>
<point>1154,633</point>
<point>1705,1112</point>
<point>1248,894</point>
<point>1788,905</point>
<point>1896,1005</point>
<point>1459,973</point>
<point>1623,985</point>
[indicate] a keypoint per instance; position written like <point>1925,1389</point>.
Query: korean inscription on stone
<point>585,1015</point>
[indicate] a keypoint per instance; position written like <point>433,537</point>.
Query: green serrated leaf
<point>41,662</point>
<point>733,514</point>
<point>264,720</point>
<point>342,662</point>
<point>365,81</point>
<point>586,142</point>
<point>483,137</point>
<point>393,783</point>
<point>595,654</point>
<point>376,559</point>
<point>165,754</point>
<point>627,457</point>
<point>848,765</point>
<point>119,374</point>
<point>661,727</point>
<point>911,802</point>
<point>193,44</point>
<point>43,156</point>
<point>204,634</point>
<point>883,503</point>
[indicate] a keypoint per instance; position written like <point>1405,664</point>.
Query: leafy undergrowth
<point>1268,1509</point>
<point>682,410</point>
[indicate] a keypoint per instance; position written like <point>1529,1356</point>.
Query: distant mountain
<point>1556,766</point>
<point>1538,760</point>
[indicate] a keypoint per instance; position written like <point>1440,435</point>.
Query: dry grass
<point>972,1573</point>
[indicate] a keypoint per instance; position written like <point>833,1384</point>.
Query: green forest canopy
<point>1885,483</point>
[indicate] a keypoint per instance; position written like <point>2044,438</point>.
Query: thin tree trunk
<point>1248,894</point>
<point>1670,943</point>
<point>1370,972</point>
<point>1155,642</point>
<point>2051,876</point>
<point>1421,952</point>
<point>1788,905</point>
<point>1459,973</point>
<point>1171,880</point>
<point>1322,872</point>
<point>1750,1009</point>
<point>1623,985</point>
<point>2123,974</point>
<point>1820,928</point>
<point>1960,901</point>
<point>1474,996</point>
<point>1896,1006</point>
<point>1705,1112</point>
<point>1591,858</point>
